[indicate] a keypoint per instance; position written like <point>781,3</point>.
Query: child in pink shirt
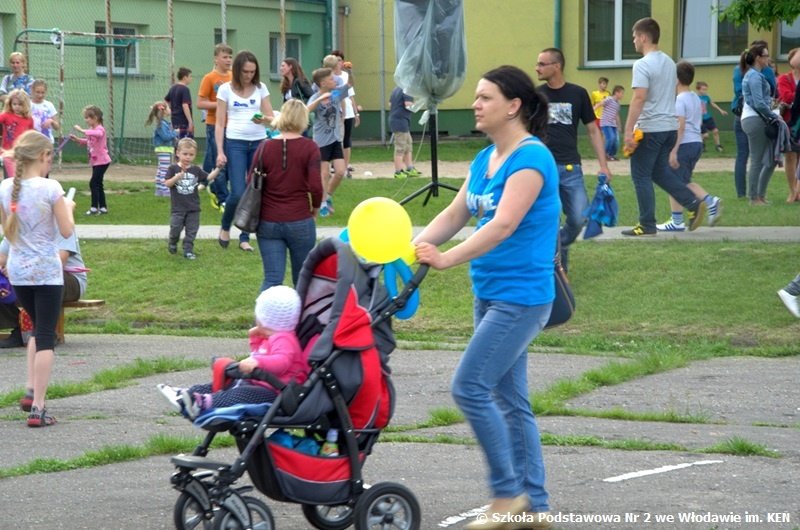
<point>274,348</point>
<point>97,144</point>
<point>15,120</point>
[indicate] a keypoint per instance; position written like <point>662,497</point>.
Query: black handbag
<point>247,215</point>
<point>564,302</point>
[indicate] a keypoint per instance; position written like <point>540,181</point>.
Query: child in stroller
<point>345,326</point>
<point>274,348</point>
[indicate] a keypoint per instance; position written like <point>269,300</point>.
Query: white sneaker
<point>714,211</point>
<point>791,302</point>
<point>190,406</point>
<point>671,226</point>
<point>173,395</point>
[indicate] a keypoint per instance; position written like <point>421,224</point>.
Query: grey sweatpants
<point>184,220</point>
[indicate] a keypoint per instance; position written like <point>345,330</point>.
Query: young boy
<point>207,101</point>
<point>708,120</point>
<point>326,104</point>
<point>184,179</point>
<point>687,151</point>
<point>400,124</point>
<point>43,112</point>
<point>180,104</point>
<point>599,95</point>
<point>610,122</point>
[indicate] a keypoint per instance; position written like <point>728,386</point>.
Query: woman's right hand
<point>430,255</point>
<point>221,159</point>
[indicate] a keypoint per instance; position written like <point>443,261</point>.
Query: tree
<point>761,13</point>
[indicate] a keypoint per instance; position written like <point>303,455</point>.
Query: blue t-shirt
<point>520,269</point>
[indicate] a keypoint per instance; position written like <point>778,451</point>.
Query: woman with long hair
<point>294,83</point>
<point>34,212</point>
<point>243,112</point>
<point>512,191</point>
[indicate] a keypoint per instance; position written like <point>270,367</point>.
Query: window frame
<point>620,34</point>
<point>713,36</point>
<point>281,54</point>
<point>784,54</point>
<point>119,70</point>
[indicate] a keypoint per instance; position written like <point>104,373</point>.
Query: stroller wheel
<point>329,517</point>
<point>387,505</point>
<point>260,517</point>
<point>189,514</point>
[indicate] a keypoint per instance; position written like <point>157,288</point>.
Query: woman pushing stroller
<point>274,348</point>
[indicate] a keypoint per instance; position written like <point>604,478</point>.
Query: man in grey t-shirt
<point>652,110</point>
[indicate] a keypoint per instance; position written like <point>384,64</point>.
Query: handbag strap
<point>257,166</point>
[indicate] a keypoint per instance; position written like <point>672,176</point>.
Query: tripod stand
<point>432,188</point>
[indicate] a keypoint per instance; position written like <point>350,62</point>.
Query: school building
<point>595,36</point>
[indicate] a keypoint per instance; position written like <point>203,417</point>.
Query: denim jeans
<point>220,184</point>
<point>649,164</point>
<point>688,155</point>
<point>240,155</point>
<point>274,239</point>
<point>762,164</point>
<point>572,190</point>
<point>490,386</point>
<point>610,136</point>
<point>742,152</point>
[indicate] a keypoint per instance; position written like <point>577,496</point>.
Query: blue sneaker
<point>329,204</point>
<point>323,210</point>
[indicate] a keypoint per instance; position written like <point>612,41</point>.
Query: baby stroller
<point>346,327</point>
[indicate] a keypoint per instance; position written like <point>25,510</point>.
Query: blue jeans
<point>240,156</point>
<point>490,386</point>
<point>742,152</point>
<point>610,136</point>
<point>688,155</point>
<point>220,184</point>
<point>572,190</point>
<point>274,239</point>
<point>649,164</point>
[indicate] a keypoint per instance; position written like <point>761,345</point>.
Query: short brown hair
<point>183,72</point>
<point>186,142</point>
<point>319,74</point>
<point>221,48</point>
<point>648,26</point>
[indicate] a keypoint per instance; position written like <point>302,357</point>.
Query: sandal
<point>40,418</point>
<point>26,401</point>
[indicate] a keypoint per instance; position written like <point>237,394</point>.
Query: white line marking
<point>662,469</point>
<point>455,519</point>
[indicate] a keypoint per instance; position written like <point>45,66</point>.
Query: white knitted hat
<point>278,308</point>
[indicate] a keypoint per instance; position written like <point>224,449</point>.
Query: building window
<point>790,37</point>
<point>705,37</point>
<point>122,47</point>
<point>608,30</point>
<point>276,54</point>
<point>218,36</point>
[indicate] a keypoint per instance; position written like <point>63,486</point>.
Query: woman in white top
<point>243,112</point>
<point>34,211</point>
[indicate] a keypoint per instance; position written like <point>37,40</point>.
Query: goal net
<point>76,65</point>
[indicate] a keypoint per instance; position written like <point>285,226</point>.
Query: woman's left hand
<point>430,255</point>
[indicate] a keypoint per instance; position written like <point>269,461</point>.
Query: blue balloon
<point>344,235</point>
<point>390,272</point>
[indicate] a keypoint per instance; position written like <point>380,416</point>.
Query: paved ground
<point>755,399</point>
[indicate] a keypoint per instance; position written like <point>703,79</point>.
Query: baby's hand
<point>201,187</point>
<point>246,366</point>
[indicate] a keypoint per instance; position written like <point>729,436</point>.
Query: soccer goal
<point>122,73</point>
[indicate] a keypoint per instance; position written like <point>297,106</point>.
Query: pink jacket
<point>281,355</point>
<point>97,144</point>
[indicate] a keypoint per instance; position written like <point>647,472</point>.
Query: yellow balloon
<point>380,231</point>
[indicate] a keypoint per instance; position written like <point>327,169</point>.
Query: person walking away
<point>34,211</point>
<point>688,149</point>
<point>180,104</point>
<point>164,142</point>
<point>207,101</point>
<point>512,191</point>
<point>568,105</point>
<point>96,143</point>
<point>652,110</point>
<point>400,105</point>
<point>184,180</point>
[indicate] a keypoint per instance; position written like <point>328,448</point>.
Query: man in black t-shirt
<point>180,104</point>
<point>568,104</point>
